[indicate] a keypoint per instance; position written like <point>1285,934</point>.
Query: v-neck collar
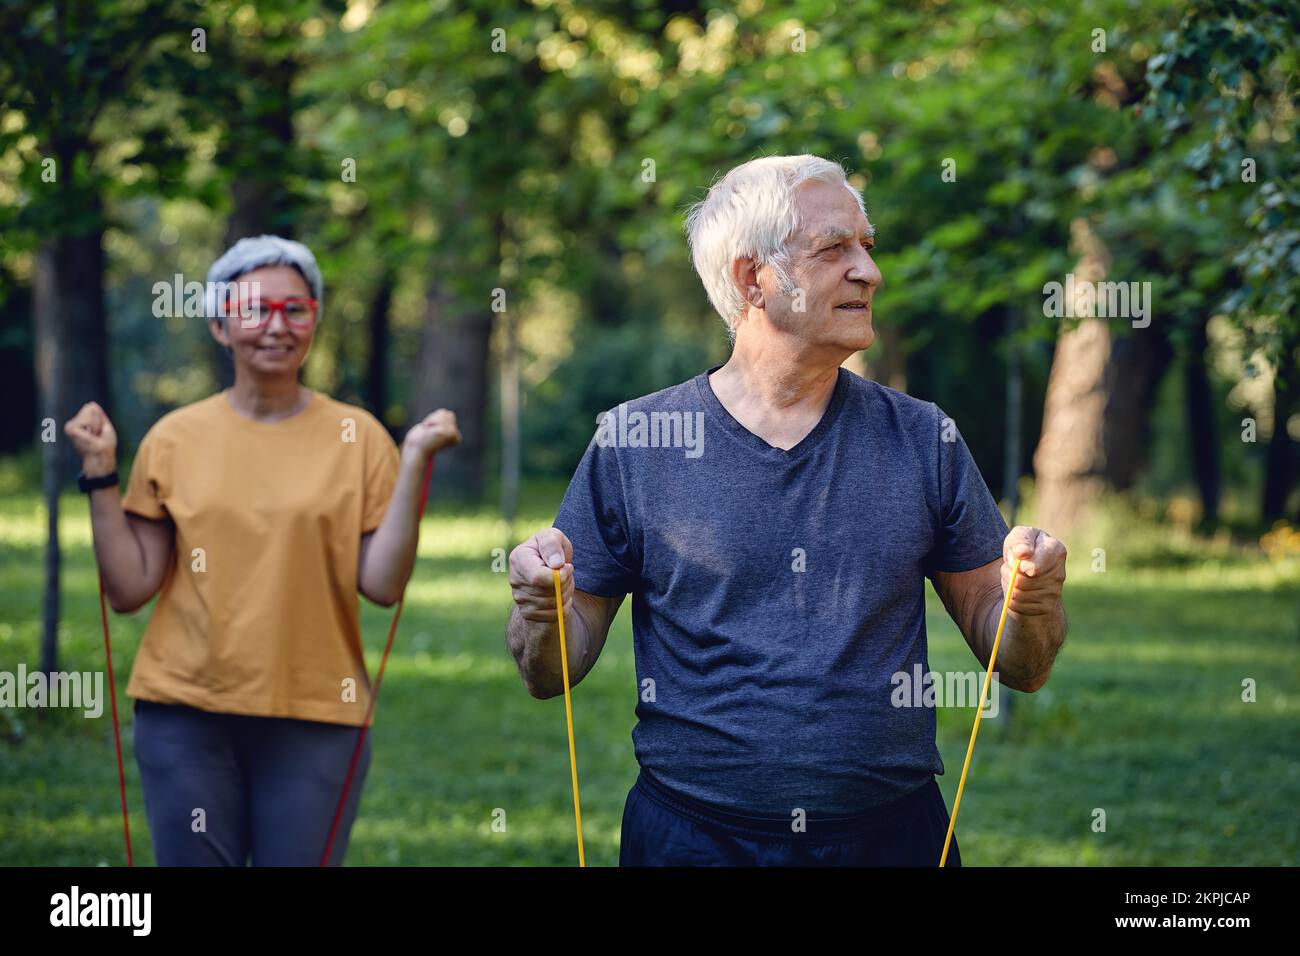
<point>758,445</point>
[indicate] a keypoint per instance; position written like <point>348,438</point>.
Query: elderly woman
<point>261,512</point>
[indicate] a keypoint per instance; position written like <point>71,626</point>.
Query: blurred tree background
<point>433,152</point>
<point>496,194</point>
<point>496,197</point>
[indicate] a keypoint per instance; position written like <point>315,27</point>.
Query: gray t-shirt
<point>776,593</point>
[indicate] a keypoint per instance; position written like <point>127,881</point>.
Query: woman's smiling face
<point>278,347</point>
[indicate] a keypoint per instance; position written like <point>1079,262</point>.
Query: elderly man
<point>777,560</point>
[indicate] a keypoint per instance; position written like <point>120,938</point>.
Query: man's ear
<point>744,273</point>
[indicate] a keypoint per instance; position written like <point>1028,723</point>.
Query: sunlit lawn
<point>1142,718</point>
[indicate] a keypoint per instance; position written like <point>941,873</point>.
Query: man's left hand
<point>1042,570</point>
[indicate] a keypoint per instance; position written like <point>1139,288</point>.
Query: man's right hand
<point>531,581</point>
<point>533,631</point>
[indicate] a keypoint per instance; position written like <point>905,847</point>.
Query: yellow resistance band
<point>988,676</point>
<point>568,715</point>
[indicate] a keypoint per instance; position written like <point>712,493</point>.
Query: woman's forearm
<point>121,557</point>
<point>389,557</point>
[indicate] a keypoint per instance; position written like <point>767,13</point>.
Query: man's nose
<point>865,270</point>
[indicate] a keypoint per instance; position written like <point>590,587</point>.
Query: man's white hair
<point>750,214</point>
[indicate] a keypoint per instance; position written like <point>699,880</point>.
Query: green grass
<point>1142,716</point>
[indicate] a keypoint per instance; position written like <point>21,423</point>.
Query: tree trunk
<point>510,424</point>
<point>260,151</point>
<point>886,363</point>
<point>1013,426</point>
<point>377,366</point>
<point>258,155</point>
<point>1279,467</point>
<point>1202,427</point>
<point>1096,415</point>
<point>51,378</point>
<point>452,373</point>
<point>71,367</point>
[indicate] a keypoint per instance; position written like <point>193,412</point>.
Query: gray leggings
<point>267,787</point>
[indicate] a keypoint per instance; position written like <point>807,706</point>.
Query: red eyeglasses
<point>298,311</point>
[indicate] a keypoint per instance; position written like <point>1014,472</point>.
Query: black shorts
<point>664,828</point>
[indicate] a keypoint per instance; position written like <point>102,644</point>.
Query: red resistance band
<point>117,735</point>
<point>374,692</point>
<point>361,734</point>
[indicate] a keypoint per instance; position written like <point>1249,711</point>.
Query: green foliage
<point>528,167</point>
<point>67,69</point>
<point>601,372</point>
<point>1223,88</point>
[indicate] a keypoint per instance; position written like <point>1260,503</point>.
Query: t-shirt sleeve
<point>970,529</point>
<point>594,517</point>
<point>149,484</point>
<point>382,461</point>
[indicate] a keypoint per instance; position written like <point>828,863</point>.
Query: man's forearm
<point>535,646</point>
<point>1029,644</point>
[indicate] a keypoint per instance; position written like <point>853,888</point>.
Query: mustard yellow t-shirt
<point>259,612</point>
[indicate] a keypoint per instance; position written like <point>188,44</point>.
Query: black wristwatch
<point>93,484</point>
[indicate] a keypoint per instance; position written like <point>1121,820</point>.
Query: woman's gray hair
<point>254,252</point>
